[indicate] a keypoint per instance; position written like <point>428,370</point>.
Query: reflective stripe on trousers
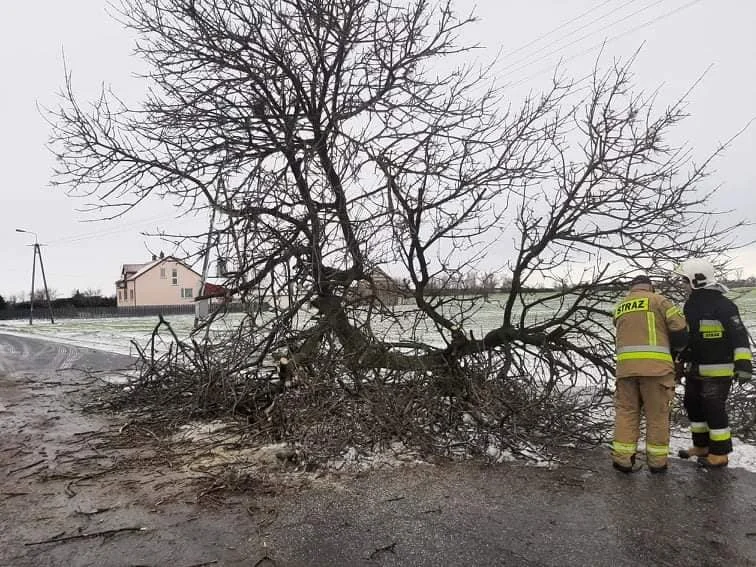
<point>624,448</point>
<point>657,450</point>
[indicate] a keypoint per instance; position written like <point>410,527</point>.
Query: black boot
<point>625,468</point>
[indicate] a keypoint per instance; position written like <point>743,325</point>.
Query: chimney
<point>162,255</point>
<point>154,257</point>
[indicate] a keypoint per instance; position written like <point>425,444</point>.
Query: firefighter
<point>718,352</point>
<point>650,332</point>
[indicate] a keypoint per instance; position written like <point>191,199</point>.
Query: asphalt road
<point>61,504</point>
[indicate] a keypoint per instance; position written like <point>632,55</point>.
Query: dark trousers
<point>705,401</point>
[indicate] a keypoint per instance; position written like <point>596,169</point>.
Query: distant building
<point>382,287</point>
<point>163,281</point>
<point>213,291</point>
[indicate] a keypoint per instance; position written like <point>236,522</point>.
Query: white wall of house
<point>166,283</point>
<point>125,296</point>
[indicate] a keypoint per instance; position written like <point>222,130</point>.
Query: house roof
<point>130,268</point>
<point>214,290</point>
<point>140,269</point>
<point>148,266</point>
<point>211,290</point>
<point>379,272</point>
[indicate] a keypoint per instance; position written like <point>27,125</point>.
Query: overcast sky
<point>680,38</point>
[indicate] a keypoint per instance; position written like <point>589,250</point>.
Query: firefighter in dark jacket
<point>718,351</point>
<point>650,331</point>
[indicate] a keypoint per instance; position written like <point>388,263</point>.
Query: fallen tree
<point>336,142</point>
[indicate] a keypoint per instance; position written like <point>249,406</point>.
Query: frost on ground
<point>219,446</point>
<point>228,448</point>
<point>742,456</point>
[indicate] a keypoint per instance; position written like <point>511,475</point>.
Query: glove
<point>679,371</point>
<point>742,376</point>
<point>682,370</point>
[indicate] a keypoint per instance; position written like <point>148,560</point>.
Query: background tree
<point>39,295</point>
<point>490,281</point>
<point>89,292</point>
<point>331,138</point>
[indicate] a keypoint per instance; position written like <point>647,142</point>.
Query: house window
<point>131,294</point>
<point>187,292</point>
<point>119,295</point>
<point>162,273</point>
<point>174,276</point>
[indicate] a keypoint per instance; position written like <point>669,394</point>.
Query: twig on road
<point>92,512</point>
<point>70,492</point>
<point>385,549</point>
<point>34,464</point>
<point>104,533</point>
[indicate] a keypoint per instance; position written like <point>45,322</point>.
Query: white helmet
<point>699,272</point>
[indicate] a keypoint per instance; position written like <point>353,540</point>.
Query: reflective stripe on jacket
<point>649,328</point>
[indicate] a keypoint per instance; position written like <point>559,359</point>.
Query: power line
<point>105,231</point>
<point>569,34</point>
<point>108,232</point>
<point>578,40</point>
<point>559,27</point>
<point>601,44</point>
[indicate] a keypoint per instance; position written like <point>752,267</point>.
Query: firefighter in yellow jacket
<point>650,332</point>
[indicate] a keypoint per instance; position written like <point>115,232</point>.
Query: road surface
<point>72,497</point>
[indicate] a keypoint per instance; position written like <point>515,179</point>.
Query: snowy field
<point>116,335</point>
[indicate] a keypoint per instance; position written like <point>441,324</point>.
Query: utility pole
<point>201,307</point>
<point>37,253</point>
